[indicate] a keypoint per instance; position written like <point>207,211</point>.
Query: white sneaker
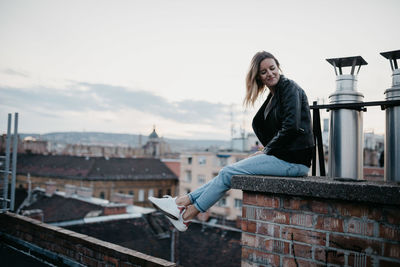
<point>180,224</point>
<point>168,206</point>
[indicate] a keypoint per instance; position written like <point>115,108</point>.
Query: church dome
<point>153,134</point>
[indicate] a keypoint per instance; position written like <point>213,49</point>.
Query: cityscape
<point>110,109</point>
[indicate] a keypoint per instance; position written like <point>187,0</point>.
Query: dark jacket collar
<point>272,99</point>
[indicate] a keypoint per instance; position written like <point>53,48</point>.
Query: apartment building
<point>140,177</point>
<point>197,168</point>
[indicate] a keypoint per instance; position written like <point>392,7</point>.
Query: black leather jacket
<point>283,123</point>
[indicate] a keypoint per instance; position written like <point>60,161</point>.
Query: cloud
<point>15,73</point>
<point>85,97</point>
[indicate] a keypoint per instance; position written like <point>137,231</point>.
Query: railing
<point>319,149</point>
<point>6,200</point>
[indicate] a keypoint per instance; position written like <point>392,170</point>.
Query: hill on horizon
<point>132,140</point>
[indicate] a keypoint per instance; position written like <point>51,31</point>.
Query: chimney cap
<point>395,54</point>
<point>392,56</point>
<point>340,62</point>
<point>346,61</point>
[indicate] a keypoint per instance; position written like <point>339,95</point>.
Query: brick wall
<point>284,230</point>
<point>112,210</point>
<point>76,247</point>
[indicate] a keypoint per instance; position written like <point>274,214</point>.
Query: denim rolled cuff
<point>190,198</point>
<point>196,205</point>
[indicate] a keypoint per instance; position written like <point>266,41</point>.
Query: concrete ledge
<point>321,187</point>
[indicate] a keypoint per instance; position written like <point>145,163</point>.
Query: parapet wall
<point>319,222</point>
<point>64,247</point>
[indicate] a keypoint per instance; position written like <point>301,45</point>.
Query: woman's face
<point>269,72</point>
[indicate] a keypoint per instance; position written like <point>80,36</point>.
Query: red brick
<point>244,225</point>
<point>88,261</point>
<point>306,205</point>
<point>267,201</point>
<point>251,226</point>
<point>329,256</point>
<point>111,260</point>
<point>392,215</point>
<point>273,245</point>
<point>249,198</point>
<point>248,240</point>
<point>357,210</point>
<point>303,251</point>
<point>296,204</point>
<point>301,219</point>
<point>329,224</point>
<point>258,257</point>
<point>305,236</point>
<point>320,207</point>
<point>268,229</point>
<point>356,226</point>
<point>290,262</point>
<point>354,243</point>
<point>389,232</point>
<point>244,209</point>
<point>251,212</point>
<point>361,259</point>
<point>273,216</point>
<point>246,252</point>
<point>391,250</point>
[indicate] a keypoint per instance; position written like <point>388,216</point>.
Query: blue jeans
<point>208,194</point>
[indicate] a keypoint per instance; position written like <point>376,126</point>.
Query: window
<point>221,202</point>
<point>151,193</point>
<point>202,160</point>
<point>160,192</point>
<point>238,203</point>
<point>141,195</point>
<point>189,160</point>
<point>168,191</point>
<point>201,179</point>
<point>188,176</point>
<point>102,195</point>
<point>131,193</point>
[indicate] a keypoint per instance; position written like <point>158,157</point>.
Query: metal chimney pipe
<point>392,135</point>
<point>346,127</point>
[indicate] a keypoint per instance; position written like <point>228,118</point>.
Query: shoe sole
<point>164,212</point>
<point>176,227</point>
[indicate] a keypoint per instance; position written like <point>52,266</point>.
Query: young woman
<point>283,126</point>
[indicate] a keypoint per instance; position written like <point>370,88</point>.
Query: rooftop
<point>93,168</point>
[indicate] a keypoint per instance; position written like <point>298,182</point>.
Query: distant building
<point>101,151</point>
<point>245,143</point>
<point>141,178</point>
<point>197,168</point>
<point>29,145</point>
<point>155,147</point>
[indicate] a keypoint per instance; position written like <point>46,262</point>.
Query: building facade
<point>141,177</point>
<point>197,168</point>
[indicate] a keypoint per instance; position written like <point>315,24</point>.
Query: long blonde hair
<point>254,86</point>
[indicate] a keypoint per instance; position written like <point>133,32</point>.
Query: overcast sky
<point>124,66</point>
